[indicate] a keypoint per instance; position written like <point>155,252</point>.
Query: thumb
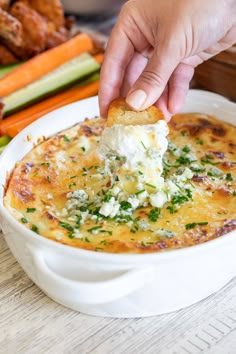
<point>153,80</point>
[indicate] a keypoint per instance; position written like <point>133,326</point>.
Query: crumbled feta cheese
<point>143,225</point>
<point>164,233</point>
<point>158,199</point>
<point>134,201</point>
<point>79,194</point>
<point>77,233</point>
<point>84,216</point>
<point>115,190</point>
<point>110,208</point>
<point>50,196</point>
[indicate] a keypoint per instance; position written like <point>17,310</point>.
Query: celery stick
<point>4,140</point>
<point>56,80</point>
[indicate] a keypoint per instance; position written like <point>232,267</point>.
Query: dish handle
<point>88,292</point>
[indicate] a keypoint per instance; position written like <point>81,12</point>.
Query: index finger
<point>118,54</point>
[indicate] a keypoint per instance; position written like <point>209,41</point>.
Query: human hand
<point>155,46</point>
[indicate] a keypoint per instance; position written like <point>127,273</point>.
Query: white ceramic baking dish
<point>117,285</point>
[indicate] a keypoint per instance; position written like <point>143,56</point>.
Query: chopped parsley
<point>124,205</point>
<point>30,210</point>
<point>106,231</point>
<point>172,209</point>
<point>95,228</point>
<point>134,229</point>
<point>197,169</point>
<point>48,179</point>
<point>199,141</point>
<point>208,160</point>
<point>107,197</point>
<point>140,192</point>
<point>194,224</point>
<point>71,234</point>
<point>154,214</point>
<point>150,185</point>
<point>184,160</point>
<point>24,220</point>
<point>143,145</point>
<point>228,177</point>
<point>66,226</point>
<point>45,164</point>
<point>66,138</point>
<point>186,149</point>
<point>83,148</point>
<point>35,229</point>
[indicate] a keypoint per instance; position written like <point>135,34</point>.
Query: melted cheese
<point>64,190</point>
<point>142,147</point>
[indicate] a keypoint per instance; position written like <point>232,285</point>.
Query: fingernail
<point>136,99</point>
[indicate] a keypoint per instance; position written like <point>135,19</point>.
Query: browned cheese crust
<point>38,188</point>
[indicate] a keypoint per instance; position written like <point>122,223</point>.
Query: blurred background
<point>92,7</point>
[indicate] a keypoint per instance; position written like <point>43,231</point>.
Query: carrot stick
<point>41,64</point>
<point>14,124</point>
<point>39,109</point>
<point>99,58</point>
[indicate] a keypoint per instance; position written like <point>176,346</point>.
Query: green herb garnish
<point>199,141</point>
<point>186,149</point>
<point>94,228</point>
<point>143,145</point>
<point>150,185</point>
<point>66,138</point>
<point>35,228</point>
<point>45,164</point>
<point>71,185</point>
<point>30,210</point>
<point>154,214</point>
<point>140,192</point>
<point>66,226</point>
<point>24,220</point>
<point>194,224</point>
<point>228,177</point>
<point>124,205</point>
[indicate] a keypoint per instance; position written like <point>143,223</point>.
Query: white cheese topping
<point>141,147</point>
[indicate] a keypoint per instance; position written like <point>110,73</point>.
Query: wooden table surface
<point>31,323</point>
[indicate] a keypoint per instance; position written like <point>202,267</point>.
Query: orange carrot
<point>99,58</point>
<point>15,123</point>
<point>43,63</point>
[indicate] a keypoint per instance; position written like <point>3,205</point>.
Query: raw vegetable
<point>4,140</point>
<point>54,81</point>
<point>43,63</point>
<point>5,69</point>
<point>14,124</point>
<point>99,58</point>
